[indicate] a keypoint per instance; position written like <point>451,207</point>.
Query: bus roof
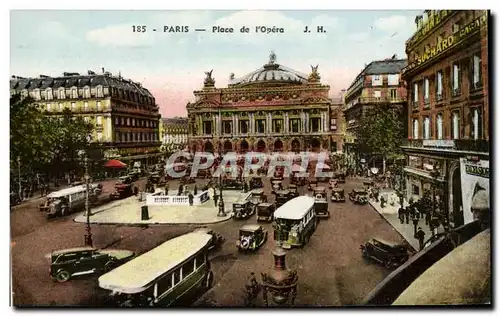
<point>296,208</point>
<point>67,191</point>
<point>136,275</point>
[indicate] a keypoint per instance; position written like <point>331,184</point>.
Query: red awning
<point>113,163</point>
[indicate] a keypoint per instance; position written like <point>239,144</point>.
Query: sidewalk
<point>390,214</point>
<point>128,211</point>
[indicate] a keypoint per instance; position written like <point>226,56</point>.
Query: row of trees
<point>46,145</point>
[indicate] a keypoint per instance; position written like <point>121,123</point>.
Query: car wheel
<point>63,276</point>
<point>388,263</point>
<point>110,265</point>
<point>306,239</point>
<point>209,280</point>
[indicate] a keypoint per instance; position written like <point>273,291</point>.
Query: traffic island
<point>129,211</point>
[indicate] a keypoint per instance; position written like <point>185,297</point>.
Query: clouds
<point>119,36</point>
<point>395,23</point>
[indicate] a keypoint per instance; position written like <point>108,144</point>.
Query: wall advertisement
<point>475,176</point>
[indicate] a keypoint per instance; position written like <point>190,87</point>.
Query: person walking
<point>420,236</point>
<point>401,215</point>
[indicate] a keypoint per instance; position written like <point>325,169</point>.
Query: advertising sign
<point>475,176</point>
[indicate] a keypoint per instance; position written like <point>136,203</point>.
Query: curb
<point>83,221</point>
<point>388,222</point>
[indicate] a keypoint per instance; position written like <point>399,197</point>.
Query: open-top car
<point>243,210</point>
<point>312,184</point>
<point>232,184</point>
<point>368,183</point>
<point>217,239</point>
<point>256,196</point>
<point>67,263</point>
<point>338,195</point>
<point>387,253</point>
<point>251,237</point>
<point>265,212</point>
<point>321,202</point>
<point>359,196</point>
<point>256,183</point>
<point>282,196</point>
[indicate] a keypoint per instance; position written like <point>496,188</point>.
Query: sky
<point>173,65</point>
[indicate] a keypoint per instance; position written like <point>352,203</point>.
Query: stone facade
<point>123,112</point>
<point>447,78</point>
<point>271,109</point>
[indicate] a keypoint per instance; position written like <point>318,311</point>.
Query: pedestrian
<point>216,198</point>
<point>252,290</point>
<point>401,215</point>
<point>420,236</point>
<point>166,189</point>
<point>190,197</point>
<point>407,214</point>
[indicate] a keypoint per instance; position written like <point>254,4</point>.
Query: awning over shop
<point>141,156</point>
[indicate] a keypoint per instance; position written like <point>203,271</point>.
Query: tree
<point>381,131</point>
<point>45,144</point>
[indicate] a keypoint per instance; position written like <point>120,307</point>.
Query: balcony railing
<point>381,100</point>
<point>479,145</point>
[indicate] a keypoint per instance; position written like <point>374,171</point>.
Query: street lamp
<point>221,213</point>
<point>88,233</point>
<point>19,175</point>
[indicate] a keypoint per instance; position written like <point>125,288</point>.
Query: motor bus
<point>171,273</point>
<point>295,222</point>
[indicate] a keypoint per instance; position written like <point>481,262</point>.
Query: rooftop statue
<point>208,79</point>
<point>272,58</point>
<point>314,75</point>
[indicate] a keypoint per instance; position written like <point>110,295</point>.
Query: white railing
<point>153,199</point>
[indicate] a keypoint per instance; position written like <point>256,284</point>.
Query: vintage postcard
<point>250,158</point>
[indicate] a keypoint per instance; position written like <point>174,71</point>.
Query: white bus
<point>173,271</point>
<point>65,201</point>
<point>294,222</point>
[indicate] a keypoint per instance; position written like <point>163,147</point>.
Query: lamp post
<point>221,213</point>
<point>19,177</point>
<point>88,233</point>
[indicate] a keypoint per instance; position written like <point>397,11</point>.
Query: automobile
<point>123,190</point>
<point>125,179</point>
<point>243,210</point>
<point>312,184</point>
<point>256,196</point>
<point>368,184</point>
<point>321,202</point>
<point>358,196</point>
<point>340,177</point>
<point>338,195</point>
<point>265,212</point>
<point>256,183</point>
<point>293,191</point>
<point>134,175</point>
<point>333,183</point>
<point>217,239</point>
<point>67,263</point>
<point>251,237</point>
<point>300,181</point>
<point>282,196</point>
<point>390,254</point>
<point>232,184</point>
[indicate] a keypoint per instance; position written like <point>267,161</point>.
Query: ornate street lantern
<point>280,282</point>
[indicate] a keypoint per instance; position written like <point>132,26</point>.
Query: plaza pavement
<point>128,211</point>
<point>390,214</point>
